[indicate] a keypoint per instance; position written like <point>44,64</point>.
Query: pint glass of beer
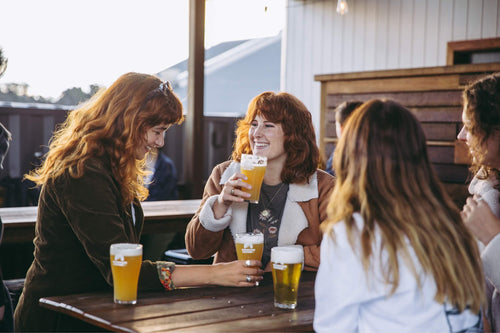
<point>126,260</point>
<point>286,263</point>
<point>254,167</point>
<point>249,245</point>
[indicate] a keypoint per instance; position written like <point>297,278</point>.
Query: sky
<point>54,45</point>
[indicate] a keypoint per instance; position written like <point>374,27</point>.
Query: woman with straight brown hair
<point>395,256</point>
<point>294,192</point>
<point>92,183</point>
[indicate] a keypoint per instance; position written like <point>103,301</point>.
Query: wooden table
<point>206,309</point>
<point>160,216</point>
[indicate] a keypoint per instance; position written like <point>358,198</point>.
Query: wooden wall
<point>433,94</point>
<point>375,35</point>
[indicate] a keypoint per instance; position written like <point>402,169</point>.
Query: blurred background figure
<point>161,182</point>
<point>342,112</point>
<point>395,255</point>
<point>481,133</point>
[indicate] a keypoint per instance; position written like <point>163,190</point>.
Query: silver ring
<point>256,283</point>
<point>248,263</point>
<point>232,191</point>
<point>249,278</point>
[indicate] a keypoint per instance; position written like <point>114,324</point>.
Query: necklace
<point>266,211</point>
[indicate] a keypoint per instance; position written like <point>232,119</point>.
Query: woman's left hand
<point>238,273</point>
<point>480,220</point>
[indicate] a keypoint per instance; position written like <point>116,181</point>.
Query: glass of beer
<point>126,260</point>
<point>249,245</point>
<point>254,167</point>
<point>286,263</point>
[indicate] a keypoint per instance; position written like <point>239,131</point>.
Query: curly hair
<point>384,173</point>
<point>300,139</point>
<point>113,123</point>
<point>481,101</point>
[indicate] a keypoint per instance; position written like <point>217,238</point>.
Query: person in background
<point>294,192</point>
<point>395,256</point>
<point>481,133</point>
<point>161,182</point>
<point>92,181</point>
<point>162,179</point>
<point>342,112</point>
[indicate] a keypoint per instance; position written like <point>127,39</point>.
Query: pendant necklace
<point>266,212</point>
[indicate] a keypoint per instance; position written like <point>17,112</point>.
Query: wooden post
<point>194,145</point>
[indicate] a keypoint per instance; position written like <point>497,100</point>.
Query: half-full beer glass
<point>249,245</point>
<point>126,260</point>
<point>286,263</point>
<point>254,167</point>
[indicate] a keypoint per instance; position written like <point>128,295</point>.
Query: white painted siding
<point>375,35</point>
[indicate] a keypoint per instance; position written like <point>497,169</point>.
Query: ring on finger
<point>248,263</point>
<point>232,191</point>
<point>249,278</point>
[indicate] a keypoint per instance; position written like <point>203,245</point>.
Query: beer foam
<point>249,239</point>
<point>126,249</point>
<point>287,254</point>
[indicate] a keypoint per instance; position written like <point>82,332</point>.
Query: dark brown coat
<point>78,219</point>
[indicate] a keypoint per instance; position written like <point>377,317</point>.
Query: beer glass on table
<point>287,263</point>
<point>254,167</point>
<point>249,245</point>
<point>126,260</point>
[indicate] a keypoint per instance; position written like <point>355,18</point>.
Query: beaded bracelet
<point>165,270</point>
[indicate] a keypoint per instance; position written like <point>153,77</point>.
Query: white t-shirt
<point>348,301</point>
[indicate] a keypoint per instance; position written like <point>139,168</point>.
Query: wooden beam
<point>193,140</point>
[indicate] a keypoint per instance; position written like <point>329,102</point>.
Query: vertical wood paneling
<point>431,37</point>
<point>474,17</point>
<point>498,19</point>
<point>445,29</point>
<point>460,19</point>
<point>359,37</point>
<point>381,47</point>
<point>489,27</point>
<point>348,40</point>
<point>331,35</point>
<point>405,49</point>
<point>370,33</point>
<point>375,35</point>
<point>418,36</point>
<point>394,34</point>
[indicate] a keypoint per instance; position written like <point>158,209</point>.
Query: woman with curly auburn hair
<point>91,187</point>
<point>481,132</point>
<point>294,192</point>
<point>395,256</point>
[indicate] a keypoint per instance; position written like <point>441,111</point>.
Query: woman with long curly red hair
<point>92,185</point>
<point>294,193</point>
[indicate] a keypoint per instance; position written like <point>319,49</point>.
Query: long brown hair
<point>481,101</point>
<point>113,123</point>
<point>383,172</point>
<point>300,139</point>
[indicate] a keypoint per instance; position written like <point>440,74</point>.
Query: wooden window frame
<point>469,46</point>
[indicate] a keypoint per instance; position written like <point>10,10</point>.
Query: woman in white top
<point>481,133</point>
<point>395,255</point>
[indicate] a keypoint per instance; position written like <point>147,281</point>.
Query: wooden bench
<point>433,94</point>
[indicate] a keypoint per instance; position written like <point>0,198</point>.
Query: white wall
<point>375,35</point>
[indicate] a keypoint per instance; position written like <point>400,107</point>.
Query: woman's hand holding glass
<point>231,192</point>
<point>480,220</point>
<point>238,273</point>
